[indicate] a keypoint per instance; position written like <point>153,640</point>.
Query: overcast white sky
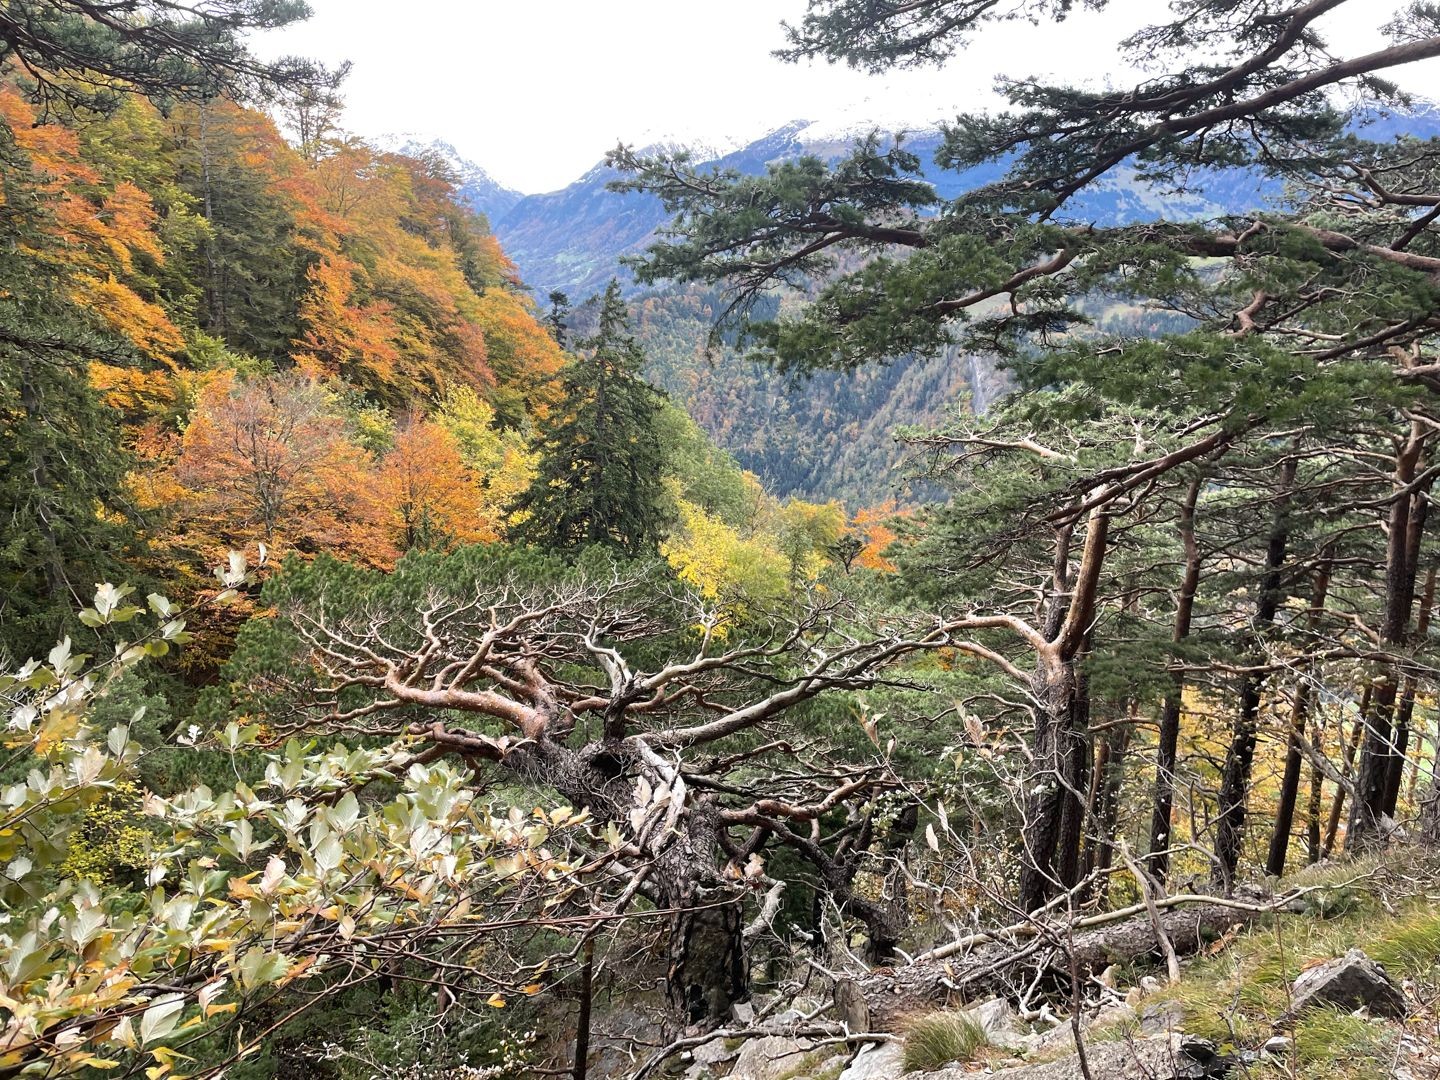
<point>536,91</point>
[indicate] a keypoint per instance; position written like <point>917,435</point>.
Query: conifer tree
<point>599,478</point>
<point>89,53</point>
<point>62,466</point>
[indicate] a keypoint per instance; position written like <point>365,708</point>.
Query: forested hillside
<point>398,680</point>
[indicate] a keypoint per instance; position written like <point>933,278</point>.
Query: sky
<point>537,91</point>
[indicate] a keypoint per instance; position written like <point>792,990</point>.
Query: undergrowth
<point>1240,997</point>
<point>938,1039</point>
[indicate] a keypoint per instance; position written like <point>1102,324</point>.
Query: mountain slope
<point>475,187</point>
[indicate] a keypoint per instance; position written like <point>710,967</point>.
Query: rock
<point>1165,1057</point>
<point>705,1058</point>
<point>1000,1023</point>
<point>1162,1018</point>
<point>1277,1046</point>
<point>771,1057</point>
<point>1350,982</point>
<point>1061,1038</point>
<point>876,1062</point>
<point>743,1013</point>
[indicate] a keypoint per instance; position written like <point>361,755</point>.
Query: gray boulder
<point>1350,982</point>
<point>876,1062</point>
<point>772,1057</point>
<point>1000,1024</point>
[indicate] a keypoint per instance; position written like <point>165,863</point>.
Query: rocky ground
<point>1344,988</point>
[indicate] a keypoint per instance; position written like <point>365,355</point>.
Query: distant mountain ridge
<point>828,437</point>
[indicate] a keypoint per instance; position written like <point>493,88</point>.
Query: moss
<point>940,1038</point>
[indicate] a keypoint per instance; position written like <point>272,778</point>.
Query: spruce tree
<point>599,479</point>
<point>63,509</point>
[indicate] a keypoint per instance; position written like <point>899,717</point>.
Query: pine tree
<point>89,53</point>
<point>599,478</point>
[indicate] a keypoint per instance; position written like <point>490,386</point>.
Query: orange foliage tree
<point>433,499</point>
<point>271,460</point>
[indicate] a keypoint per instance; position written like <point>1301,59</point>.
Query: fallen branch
<point>989,962</point>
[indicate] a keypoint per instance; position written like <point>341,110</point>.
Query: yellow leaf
<point>98,1063</point>
<point>496,1001</point>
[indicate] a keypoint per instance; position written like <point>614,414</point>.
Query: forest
<point>396,683</point>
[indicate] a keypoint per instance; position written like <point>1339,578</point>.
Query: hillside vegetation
<point>402,677</point>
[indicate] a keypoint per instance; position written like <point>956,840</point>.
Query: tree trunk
<point>707,969</point>
<point>1240,757</point>
<point>582,1022</point>
<point>1362,719</point>
<point>1106,781</point>
<point>707,972</point>
<point>1406,527</point>
<point>893,994</point>
<point>1315,809</point>
<point>1054,805</point>
<point>1158,861</point>
<point>1054,690</point>
<point>1406,712</point>
<point>1299,717</point>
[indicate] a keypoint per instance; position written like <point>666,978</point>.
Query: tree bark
<point>1240,757</point>
<point>1106,782</point>
<point>1406,712</point>
<point>893,994</point>
<point>1158,861</point>
<point>582,1022</point>
<point>1357,730</point>
<point>1054,804</point>
<point>1299,717</point>
<point>1378,751</point>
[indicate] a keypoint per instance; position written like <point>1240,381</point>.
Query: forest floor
<point>1239,994</point>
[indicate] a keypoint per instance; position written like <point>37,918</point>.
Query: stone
<point>705,1057</point>
<point>999,1022</point>
<point>882,1061</point>
<point>771,1057</point>
<point>1061,1038</point>
<point>743,1013</point>
<point>1161,1018</point>
<point>1351,982</point>
<point>1277,1045</point>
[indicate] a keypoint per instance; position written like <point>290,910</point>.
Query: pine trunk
<point>1378,750</point>
<point>1158,861</point>
<point>1299,718</point>
<point>1240,758</point>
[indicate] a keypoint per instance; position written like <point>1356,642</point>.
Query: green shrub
<point>937,1039</point>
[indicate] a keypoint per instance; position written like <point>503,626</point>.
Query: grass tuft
<point>940,1038</point>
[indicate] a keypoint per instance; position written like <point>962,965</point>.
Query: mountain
<point>476,188</point>
<point>829,436</point>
